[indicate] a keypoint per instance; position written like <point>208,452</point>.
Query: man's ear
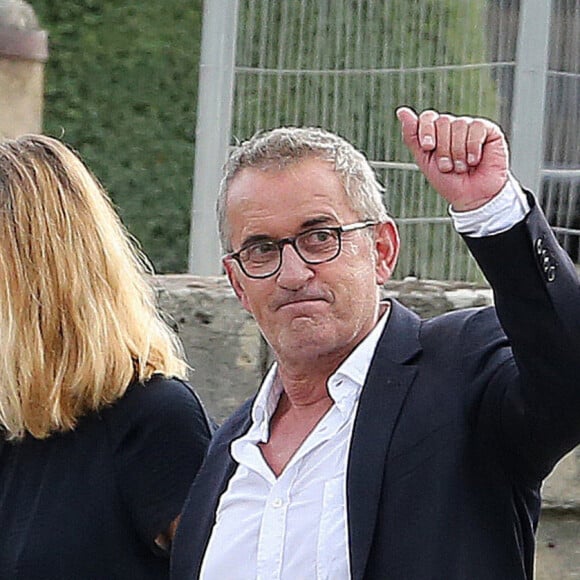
<point>387,245</point>
<point>233,275</point>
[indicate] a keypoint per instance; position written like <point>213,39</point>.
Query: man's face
<point>308,311</point>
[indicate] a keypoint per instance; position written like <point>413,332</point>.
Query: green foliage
<point>121,87</point>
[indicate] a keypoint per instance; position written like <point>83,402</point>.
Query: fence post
<point>214,114</point>
<point>528,112</point>
<point>23,52</point>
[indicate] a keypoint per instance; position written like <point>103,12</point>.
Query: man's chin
<point>304,340</point>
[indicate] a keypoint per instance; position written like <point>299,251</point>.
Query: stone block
<point>558,556</point>
<point>222,343</point>
<point>561,490</point>
<point>558,546</point>
<point>430,298</point>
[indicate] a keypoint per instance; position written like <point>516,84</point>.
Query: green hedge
<point>121,87</point>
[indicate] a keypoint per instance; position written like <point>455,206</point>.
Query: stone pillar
<point>23,52</point>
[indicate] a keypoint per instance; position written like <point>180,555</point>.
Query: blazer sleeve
<point>534,399</point>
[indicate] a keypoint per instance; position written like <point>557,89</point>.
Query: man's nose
<point>294,271</point>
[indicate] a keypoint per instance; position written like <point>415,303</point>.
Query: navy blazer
<point>460,419</point>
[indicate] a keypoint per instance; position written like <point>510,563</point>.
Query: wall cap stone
<point>20,35</point>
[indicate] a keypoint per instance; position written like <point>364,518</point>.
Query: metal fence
<point>347,64</point>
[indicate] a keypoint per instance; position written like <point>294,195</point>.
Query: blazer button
<point>551,273</point>
<point>540,246</point>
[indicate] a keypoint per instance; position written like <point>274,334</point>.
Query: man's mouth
<point>303,299</point>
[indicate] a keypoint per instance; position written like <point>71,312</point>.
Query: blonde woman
<point>100,437</point>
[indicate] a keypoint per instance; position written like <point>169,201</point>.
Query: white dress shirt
<point>295,526</point>
<point>292,527</point>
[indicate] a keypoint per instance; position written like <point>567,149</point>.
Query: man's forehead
<point>283,203</point>
<point>266,198</point>
<point>310,178</point>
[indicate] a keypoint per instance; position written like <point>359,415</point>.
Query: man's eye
<point>261,251</point>
<point>264,248</point>
<point>319,237</point>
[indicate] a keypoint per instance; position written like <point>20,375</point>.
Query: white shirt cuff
<point>509,207</point>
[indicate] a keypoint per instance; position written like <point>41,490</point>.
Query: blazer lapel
<point>382,398</point>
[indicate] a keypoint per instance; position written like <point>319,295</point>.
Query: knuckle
<point>445,119</point>
<point>461,124</point>
<point>428,115</point>
<point>479,127</point>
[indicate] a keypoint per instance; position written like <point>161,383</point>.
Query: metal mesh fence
<point>561,172</point>
<point>346,65</point>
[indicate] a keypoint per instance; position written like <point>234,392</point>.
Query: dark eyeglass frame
<point>338,230</point>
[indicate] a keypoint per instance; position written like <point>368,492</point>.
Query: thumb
<point>410,129</point>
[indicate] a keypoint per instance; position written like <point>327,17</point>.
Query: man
<point>380,445</point>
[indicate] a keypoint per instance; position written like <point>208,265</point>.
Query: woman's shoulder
<point>158,403</point>
<point>159,389</point>
<point>156,394</point>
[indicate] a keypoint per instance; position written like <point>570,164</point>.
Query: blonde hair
<point>78,317</point>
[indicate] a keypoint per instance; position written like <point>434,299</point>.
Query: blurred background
<point>123,85</point>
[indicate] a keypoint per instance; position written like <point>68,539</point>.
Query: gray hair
<point>279,148</point>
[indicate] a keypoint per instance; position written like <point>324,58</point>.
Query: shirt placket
<point>273,529</point>
<point>275,517</point>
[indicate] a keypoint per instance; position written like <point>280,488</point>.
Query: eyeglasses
<point>263,258</point>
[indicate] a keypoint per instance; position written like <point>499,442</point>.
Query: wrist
<point>499,214</point>
<point>461,206</point>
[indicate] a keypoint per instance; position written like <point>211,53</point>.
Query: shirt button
<point>277,503</point>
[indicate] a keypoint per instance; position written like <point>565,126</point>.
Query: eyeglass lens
<point>314,247</point>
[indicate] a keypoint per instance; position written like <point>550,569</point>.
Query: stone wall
<point>229,357</point>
